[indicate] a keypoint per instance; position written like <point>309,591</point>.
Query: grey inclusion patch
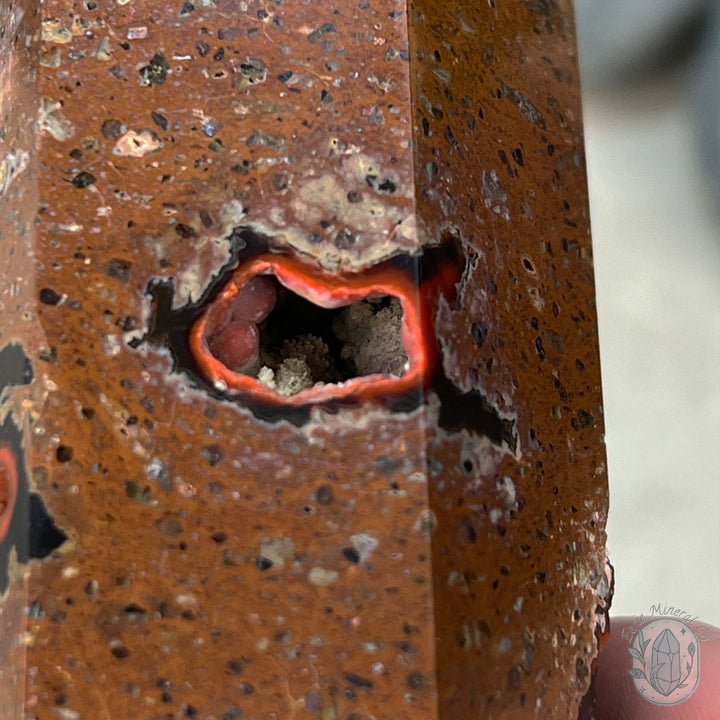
<point>494,197</point>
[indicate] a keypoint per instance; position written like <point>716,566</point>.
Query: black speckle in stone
<point>206,219</point>
<point>212,454</point>
<point>49,296</point>
<point>285,76</point>
<point>325,495</point>
<point>344,239</point>
<point>119,269</point>
<point>448,135</point>
<point>185,231</point>
<point>233,713</point>
<point>415,680</point>
<point>327,27</point>
<point>387,186</point>
<point>354,197</point>
<point>156,71</point>
<point>584,419</point>
<point>160,120</point>
<point>219,54</point>
<point>203,48</point>
<point>76,154</point>
<point>190,711</point>
<point>262,563</point>
<point>539,348</point>
<point>120,652</point>
<point>235,666</point>
<point>351,554</point>
<point>186,9</point>
<point>357,680</point>
<point>64,453</point>
<point>83,180</point>
<point>479,333</point>
<point>219,537</point>
<point>113,129</point>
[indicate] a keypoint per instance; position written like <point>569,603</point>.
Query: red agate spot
<point>8,489</point>
<point>284,332</point>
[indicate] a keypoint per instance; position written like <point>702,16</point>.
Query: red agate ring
<point>329,291</point>
<point>8,489</point>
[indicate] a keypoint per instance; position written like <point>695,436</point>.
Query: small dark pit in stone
<point>351,554</point>
<point>325,495</point>
<point>328,27</point>
<point>233,713</point>
<point>345,239</point>
<point>357,680</point>
<point>120,652</point>
<point>415,680</point>
<point>212,454</point>
<point>387,186</point>
<point>479,333</point>
<point>133,612</point>
<point>190,711</point>
<point>354,197</point>
<point>119,269</point>
<point>83,180</point>
<point>219,537</point>
<point>49,296</point>
<point>160,120</point>
<point>206,219</point>
<point>262,563</point>
<point>185,231</point>
<point>64,453</point>
<point>76,154</point>
<point>156,71</point>
<point>113,129</point>
<point>235,666</point>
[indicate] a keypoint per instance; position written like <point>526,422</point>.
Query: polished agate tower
<point>300,411</point>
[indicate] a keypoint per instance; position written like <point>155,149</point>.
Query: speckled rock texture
<point>430,546</point>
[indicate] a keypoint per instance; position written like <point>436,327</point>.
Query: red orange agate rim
<point>329,291</point>
<point>8,489</point>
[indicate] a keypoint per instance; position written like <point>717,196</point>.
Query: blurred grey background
<point>651,95</point>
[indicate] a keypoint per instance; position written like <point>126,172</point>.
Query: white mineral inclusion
<point>365,545</point>
<point>321,577</point>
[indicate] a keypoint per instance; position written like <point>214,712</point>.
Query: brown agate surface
<point>429,543</point>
